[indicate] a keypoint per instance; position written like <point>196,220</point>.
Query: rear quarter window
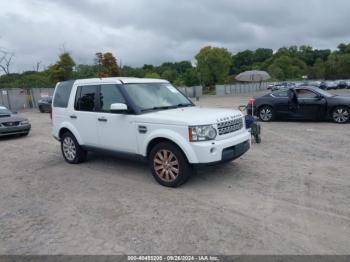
<point>62,94</point>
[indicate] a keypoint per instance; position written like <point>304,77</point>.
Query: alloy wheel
<point>166,165</point>
<point>265,114</point>
<point>69,148</point>
<point>340,115</point>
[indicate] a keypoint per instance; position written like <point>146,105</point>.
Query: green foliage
<point>213,65</point>
<point>62,70</point>
<point>152,75</point>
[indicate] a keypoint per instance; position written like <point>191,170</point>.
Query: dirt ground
<point>288,195</point>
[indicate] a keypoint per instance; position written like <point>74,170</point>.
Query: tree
<point>213,65</point>
<point>62,70</point>
<point>107,65</point>
<point>5,61</point>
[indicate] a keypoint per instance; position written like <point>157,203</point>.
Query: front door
<point>116,131</point>
<point>310,104</point>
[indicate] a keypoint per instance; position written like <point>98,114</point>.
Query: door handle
<point>73,116</point>
<point>102,119</point>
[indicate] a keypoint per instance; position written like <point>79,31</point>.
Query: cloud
<point>154,31</point>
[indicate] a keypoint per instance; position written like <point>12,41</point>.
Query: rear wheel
<point>266,113</point>
<point>71,150</point>
<point>341,114</point>
<point>169,165</point>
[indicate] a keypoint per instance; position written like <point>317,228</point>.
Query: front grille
<point>9,124</point>
<point>230,126</point>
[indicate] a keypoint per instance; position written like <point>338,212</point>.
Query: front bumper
<point>14,130</point>
<point>213,152</point>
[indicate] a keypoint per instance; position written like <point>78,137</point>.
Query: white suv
<point>148,118</point>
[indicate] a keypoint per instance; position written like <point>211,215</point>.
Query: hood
<point>11,118</point>
<point>191,116</point>
<point>340,99</point>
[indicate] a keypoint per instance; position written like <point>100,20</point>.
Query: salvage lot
<point>288,195</point>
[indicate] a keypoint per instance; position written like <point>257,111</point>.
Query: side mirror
<point>319,97</point>
<point>118,108</point>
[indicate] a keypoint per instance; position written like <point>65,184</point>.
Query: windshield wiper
<point>166,107</point>
<point>156,108</point>
<point>183,105</point>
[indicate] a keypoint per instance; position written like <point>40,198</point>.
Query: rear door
<point>281,104</point>
<point>84,115</point>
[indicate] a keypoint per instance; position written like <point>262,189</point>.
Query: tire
<point>71,150</point>
<point>169,165</point>
<point>266,114</point>
<point>341,114</point>
<point>41,109</point>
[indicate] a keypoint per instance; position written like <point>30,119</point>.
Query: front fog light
<point>201,133</point>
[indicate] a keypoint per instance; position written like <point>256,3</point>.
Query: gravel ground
<point>288,195</point>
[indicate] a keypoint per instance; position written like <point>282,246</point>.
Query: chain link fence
<point>17,99</point>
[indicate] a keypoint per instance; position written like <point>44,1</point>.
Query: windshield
<point>152,96</point>
<point>5,111</point>
<point>323,92</point>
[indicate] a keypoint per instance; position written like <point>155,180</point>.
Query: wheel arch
<point>186,150</point>
<point>67,128</point>
<point>330,110</point>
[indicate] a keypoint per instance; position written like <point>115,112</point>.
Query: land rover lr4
<point>148,118</point>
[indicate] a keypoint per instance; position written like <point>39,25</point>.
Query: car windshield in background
<point>153,96</point>
<point>5,111</point>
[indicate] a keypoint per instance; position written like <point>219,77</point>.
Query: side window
<point>85,99</point>
<point>304,93</point>
<point>62,94</point>
<point>281,94</point>
<point>110,94</point>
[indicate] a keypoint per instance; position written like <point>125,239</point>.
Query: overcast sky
<point>154,31</point>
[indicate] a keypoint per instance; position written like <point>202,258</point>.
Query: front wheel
<point>71,150</point>
<point>169,165</point>
<point>340,114</point>
<point>266,113</point>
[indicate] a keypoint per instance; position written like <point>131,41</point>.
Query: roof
<point>121,80</point>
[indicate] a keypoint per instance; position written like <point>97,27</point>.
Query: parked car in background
<point>44,104</point>
<point>301,103</point>
<point>12,124</point>
<point>312,83</point>
<point>147,118</point>
<point>328,85</point>
<point>284,85</point>
<point>342,84</point>
<point>348,84</point>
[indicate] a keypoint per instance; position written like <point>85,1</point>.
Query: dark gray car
<point>11,124</point>
<point>44,104</point>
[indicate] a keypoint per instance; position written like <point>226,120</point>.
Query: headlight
<point>24,122</point>
<point>201,133</point>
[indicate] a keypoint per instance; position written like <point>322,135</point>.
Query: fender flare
<point>73,130</point>
<point>173,137</point>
